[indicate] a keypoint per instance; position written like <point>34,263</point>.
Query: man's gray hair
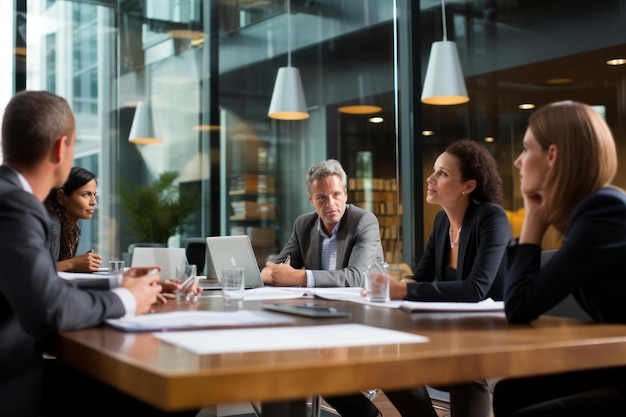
<point>323,170</point>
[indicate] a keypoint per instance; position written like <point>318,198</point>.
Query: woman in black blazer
<point>566,169</point>
<point>463,260</point>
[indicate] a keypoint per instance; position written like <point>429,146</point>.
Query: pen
<point>186,286</point>
<point>287,260</point>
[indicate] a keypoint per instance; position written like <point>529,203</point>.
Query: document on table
<point>178,320</point>
<point>331,293</point>
<point>71,276</point>
<point>286,338</point>
<point>485,305</point>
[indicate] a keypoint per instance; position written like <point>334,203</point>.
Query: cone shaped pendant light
<point>444,83</point>
<point>142,130</point>
<point>288,101</point>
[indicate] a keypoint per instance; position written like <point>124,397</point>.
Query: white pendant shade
<point>142,129</point>
<point>444,83</point>
<point>288,101</point>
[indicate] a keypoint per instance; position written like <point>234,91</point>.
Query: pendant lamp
<point>288,101</point>
<point>366,104</point>
<point>444,83</point>
<point>142,129</point>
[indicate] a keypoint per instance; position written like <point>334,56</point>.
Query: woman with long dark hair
<point>67,204</point>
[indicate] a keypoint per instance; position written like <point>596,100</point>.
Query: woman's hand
<point>87,262</point>
<point>535,218</point>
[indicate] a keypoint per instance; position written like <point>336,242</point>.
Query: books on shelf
<point>245,209</point>
<point>259,236</point>
<point>252,183</point>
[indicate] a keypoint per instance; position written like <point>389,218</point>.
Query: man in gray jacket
<point>332,246</point>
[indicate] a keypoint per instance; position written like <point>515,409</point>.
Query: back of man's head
<point>32,122</point>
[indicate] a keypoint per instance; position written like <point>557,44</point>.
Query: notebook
<point>167,258</point>
<point>231,251</point>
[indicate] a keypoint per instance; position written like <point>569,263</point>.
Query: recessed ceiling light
<point>376,119</point>
<point>559,81</point>
<point>489,139</point>
<point>427,133</point>
<point>616,61</point>
<point>526,106</point>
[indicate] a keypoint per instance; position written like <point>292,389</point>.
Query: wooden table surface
<point>461,346</point>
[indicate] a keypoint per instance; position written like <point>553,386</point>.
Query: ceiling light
<point>489,139</point>
<point>427,133</point>
<point>288,101</point>
<point>444,83</point>
<point>559,81</point>
<point>526,106</point>
<point>142,129</point>
<point>376,119</point>
<point>366,104</point>
<point>616,61</point>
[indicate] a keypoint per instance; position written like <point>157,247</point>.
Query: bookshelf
<point>380,196</point>
<point>253,211</point>
<point>248,189</point>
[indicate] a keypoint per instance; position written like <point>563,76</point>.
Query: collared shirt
<point>127,298</point>
<point>328,252</point>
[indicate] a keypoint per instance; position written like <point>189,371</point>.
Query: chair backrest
<point>568,307</point>
<point>195,249</point>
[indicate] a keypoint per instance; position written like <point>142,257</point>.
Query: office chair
<point>195,249</point>
<point>317,406</point>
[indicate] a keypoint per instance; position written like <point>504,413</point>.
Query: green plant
<point>158,210</point>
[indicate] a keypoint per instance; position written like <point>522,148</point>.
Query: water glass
<point>117,268</point>
<point>187,275</point>
<point>233,287</point>
<point>377,285</point>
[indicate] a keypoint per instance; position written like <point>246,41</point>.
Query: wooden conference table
<point>461,347</point>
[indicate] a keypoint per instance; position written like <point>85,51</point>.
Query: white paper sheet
<point>198,319</point>
<point>70,276</point>
<point>333,293</point>
<point>286,338</point>
<point>485,305</point>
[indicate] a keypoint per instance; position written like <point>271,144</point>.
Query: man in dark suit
<point>332,246</point>
<point>38,137</point>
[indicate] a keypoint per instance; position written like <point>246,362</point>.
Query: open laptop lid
<point>232,251</point>
<point>167,258</point>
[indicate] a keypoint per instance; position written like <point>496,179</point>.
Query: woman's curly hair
<point>476,163</point>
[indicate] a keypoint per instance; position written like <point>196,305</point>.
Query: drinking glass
<point>188,276</point>
<point>233,287</point>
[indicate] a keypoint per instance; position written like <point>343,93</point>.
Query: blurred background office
<point>185,86</point>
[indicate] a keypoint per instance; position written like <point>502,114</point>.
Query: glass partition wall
<point>205,71</point>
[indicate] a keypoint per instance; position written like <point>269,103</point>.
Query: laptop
<point>167,258</point>
<point>228,252</point>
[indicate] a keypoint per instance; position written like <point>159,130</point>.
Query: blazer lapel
<point>440,250</point>
<point>466,232</point>
<point>314,252</point>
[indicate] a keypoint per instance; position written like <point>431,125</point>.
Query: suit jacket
<point>35,304</point>
<point>481,265</point>
<point>589,264</point>
<point>358,245</point>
